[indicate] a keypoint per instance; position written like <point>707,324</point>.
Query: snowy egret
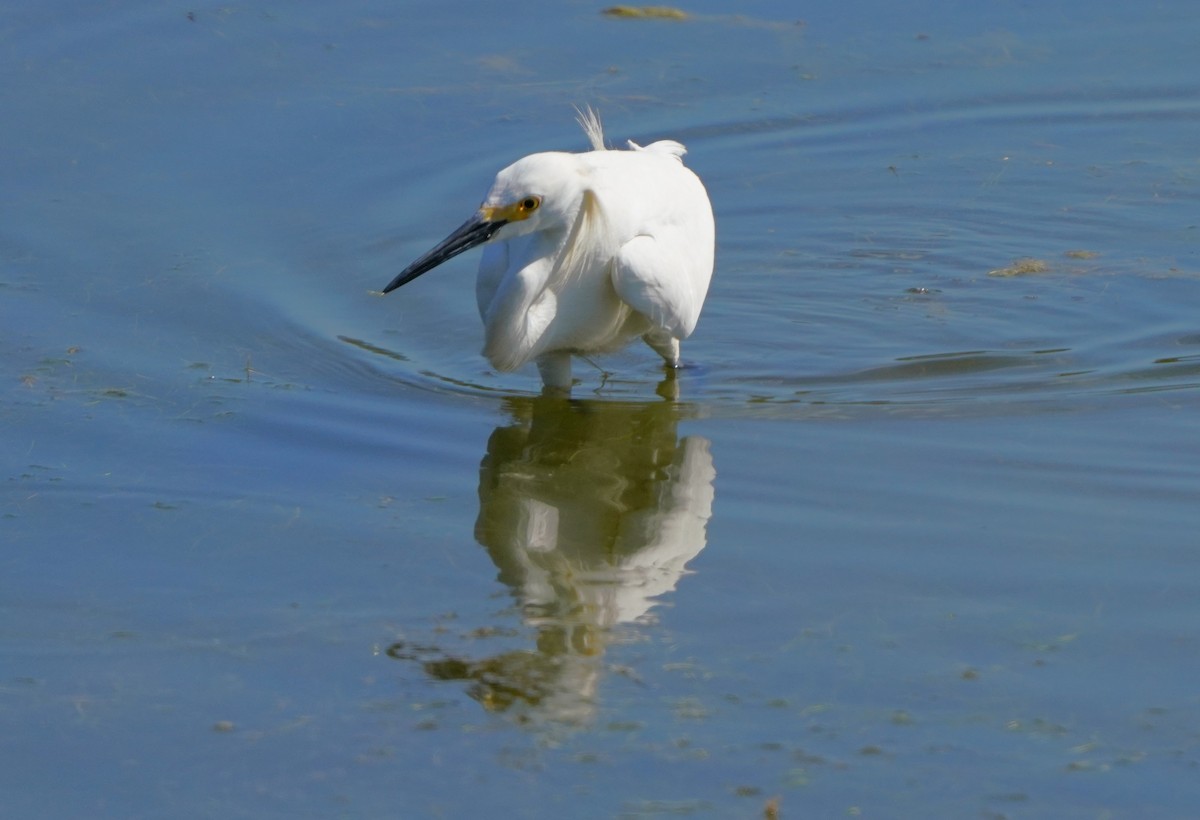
<point>584,253</point>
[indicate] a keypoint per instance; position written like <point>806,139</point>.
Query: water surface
<point>913,536</point>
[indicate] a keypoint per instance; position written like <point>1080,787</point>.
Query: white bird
<point>585,252</point>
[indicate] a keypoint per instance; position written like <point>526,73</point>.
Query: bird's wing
<point>654,279</point>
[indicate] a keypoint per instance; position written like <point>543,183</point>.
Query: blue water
<point>914,535</point>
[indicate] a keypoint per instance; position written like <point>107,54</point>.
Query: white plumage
<point>586,252</point>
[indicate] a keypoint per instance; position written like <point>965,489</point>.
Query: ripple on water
<point>862,242</point>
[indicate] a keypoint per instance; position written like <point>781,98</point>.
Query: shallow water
<point>914,534</point>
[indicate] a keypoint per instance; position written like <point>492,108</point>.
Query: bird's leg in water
<point>555,369</point>
<point>666,345</point>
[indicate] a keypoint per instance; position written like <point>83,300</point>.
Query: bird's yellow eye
<point>513,212</point>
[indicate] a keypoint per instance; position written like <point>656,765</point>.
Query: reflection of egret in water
<point>591,511</point>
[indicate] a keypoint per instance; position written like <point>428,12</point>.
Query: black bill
<point>475,231</point>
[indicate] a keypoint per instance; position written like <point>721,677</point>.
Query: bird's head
<point>537,193</point>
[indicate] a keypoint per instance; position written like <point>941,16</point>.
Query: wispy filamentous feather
<point>585,247</point>
<point>589,120</point>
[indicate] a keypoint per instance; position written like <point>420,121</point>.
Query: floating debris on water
<point>646,12</point>
<point>1021,267</point>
